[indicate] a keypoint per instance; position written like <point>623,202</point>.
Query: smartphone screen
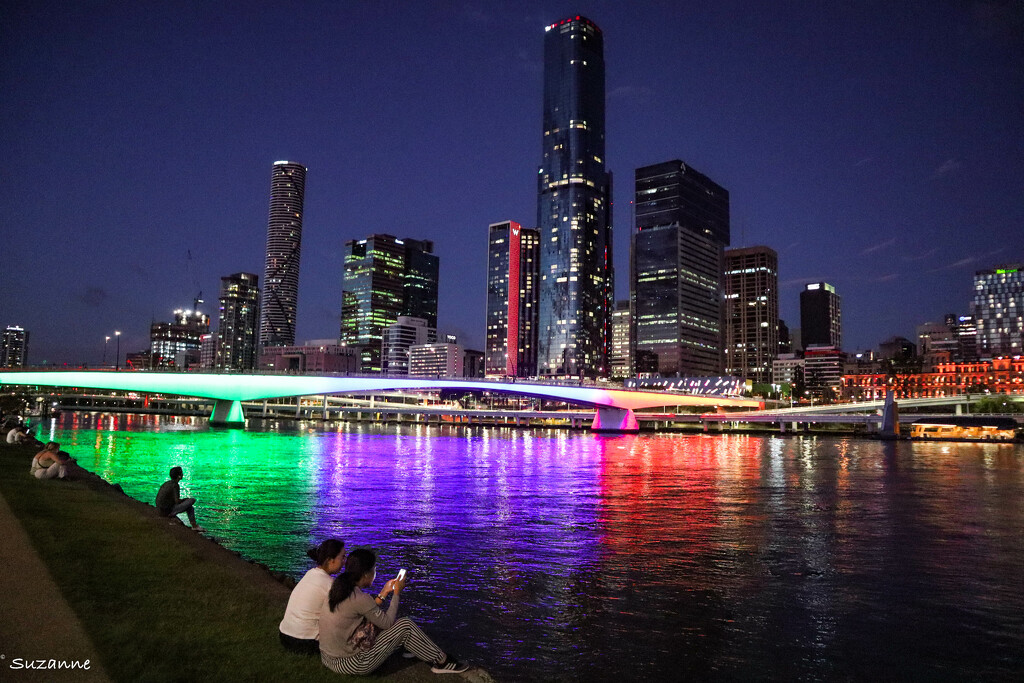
<point>401,574</point>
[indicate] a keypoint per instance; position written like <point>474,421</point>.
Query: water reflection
<point>550,555</point>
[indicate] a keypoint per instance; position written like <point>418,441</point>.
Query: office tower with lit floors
<point>237,332</point>
<point>513,276</point>
<point>682,229</point>
<point>998,308</point>
<point>821,321</point>
<point>14,350</point>
<point>751,312</point>
<point>284,243</point>
<point>383,278</point>
<point>574,206</point>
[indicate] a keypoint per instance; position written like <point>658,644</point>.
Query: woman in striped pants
<point>356,635</point>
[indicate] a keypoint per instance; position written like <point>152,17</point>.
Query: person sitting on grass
<point>356,635</point>
<point>48,463</point>
<point>169,502</point>
<point>300,629</point>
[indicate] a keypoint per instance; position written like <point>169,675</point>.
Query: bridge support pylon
<point>228,413</point>
<point>615,420</point>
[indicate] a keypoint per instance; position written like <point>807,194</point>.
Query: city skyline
<point>835,130</point>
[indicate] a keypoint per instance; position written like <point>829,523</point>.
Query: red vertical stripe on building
<point>512,342</point>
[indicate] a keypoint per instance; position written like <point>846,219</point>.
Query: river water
<point>568,556</point>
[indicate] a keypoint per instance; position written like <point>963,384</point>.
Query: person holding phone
<point>300,629</point>
<point>357,635</point>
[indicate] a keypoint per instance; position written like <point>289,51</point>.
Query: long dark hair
<point>359,562</point>
<point>328,550</point>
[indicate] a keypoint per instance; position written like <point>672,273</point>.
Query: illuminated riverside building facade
<point>14,351</point>
<point>751,312</point>
<point>384,278</point>
<point>998,376</point>
<point>513,276</point>
<point>399,337</point>
<point>438,359</point>
<point>682,229</point>
<point>237,327</point>
<point>177,344</point>
<point>621,356</point>
<point>821,321</point>
<point>574,206</point>
<point>284,243</point>
<point>998,308</point>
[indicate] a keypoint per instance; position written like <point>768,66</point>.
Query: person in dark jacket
<point>169,502</point>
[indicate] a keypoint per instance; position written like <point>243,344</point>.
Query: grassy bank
<point>160,602</point>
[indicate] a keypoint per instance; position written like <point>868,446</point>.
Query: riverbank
<point>156,601</point>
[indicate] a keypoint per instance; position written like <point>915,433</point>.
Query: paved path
<point>36,621</point>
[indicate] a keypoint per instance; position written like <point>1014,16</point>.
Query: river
<point>569,556</point>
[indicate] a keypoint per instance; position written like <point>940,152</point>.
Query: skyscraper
<point>622,325</point>
<point>998,309</point>
<point>751,312</point>
<point>239,313</point>
<point>384,278</point>
<point>821,321</point>
<point>513,270</point>
<point>574,207</point>
<point>682,229</point>
<point>284,242</point>
<point>14,350</point>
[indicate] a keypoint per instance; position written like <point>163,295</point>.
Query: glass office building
<point>384,278</point>
<point>574,208</point>
<point>821,320</point>
<point>682,229</point>
<point>998,309</point>
<point>751,312</point>
<point>239,316</point>
<point>513,270</point>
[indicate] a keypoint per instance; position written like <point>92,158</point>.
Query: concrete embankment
<point>92,574</point>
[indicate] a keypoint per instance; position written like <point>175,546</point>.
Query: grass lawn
<point>159,603</point>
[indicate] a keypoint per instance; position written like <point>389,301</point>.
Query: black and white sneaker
<point>451,666</point>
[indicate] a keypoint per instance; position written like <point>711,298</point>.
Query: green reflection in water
<point>254,490</point>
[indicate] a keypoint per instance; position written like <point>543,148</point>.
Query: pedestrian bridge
<point>613,407</point>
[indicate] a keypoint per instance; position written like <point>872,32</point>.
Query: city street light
<point>117,361</point>
<point>106,339</point>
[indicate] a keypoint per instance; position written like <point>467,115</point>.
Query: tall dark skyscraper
<point>284,243</point>
<point>821,321</point>
<point>384,278</point>
<point>239,313</point>
<point>574,207</point>
<point>512,278</point>
<point>682,229</point>
<point>751,312</point>
<point>14,349</point>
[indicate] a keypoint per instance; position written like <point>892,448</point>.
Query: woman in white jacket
<point>300,628</point>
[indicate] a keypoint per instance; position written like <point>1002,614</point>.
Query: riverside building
<point>574,206</point>
<point>821,321</point>
<point>399,337</point>
<point>284,243</point>
<point>177,344</point>
<point>682,229</point>
<point>14,351</point>
<point>513,269</point>
<point>384,278</point>
<point>998,308</point>
<point>235,347</point>
<point>751,312</point>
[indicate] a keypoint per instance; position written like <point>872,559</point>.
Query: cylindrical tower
<point>284,242</point>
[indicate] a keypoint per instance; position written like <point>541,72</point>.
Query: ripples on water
<point>554,555</point>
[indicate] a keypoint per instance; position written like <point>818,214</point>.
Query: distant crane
<point>195,282</point>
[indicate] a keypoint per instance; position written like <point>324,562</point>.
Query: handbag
<point>365,635</point>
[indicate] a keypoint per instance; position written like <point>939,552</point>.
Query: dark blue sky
<point>875,145</point>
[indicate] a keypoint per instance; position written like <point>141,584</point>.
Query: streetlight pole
<point>117,361</point>
<point>106,340</point>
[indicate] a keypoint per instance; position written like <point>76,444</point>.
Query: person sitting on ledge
<point>300,629</point>
<point>48,464</point>
<point>169,502</point>
<point>356,635</point>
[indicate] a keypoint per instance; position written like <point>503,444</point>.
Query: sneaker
<point>451,666</point>
<point>198,528</point>
<point>408,655</point>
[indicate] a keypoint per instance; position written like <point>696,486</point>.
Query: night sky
<point>876,145</point>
